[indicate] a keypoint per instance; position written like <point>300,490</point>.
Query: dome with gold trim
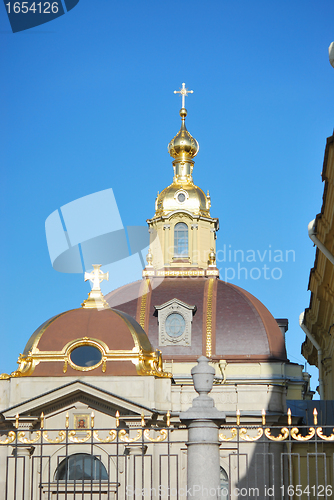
<point>182,197</point>
<point>92,340</point>
<point>186,317</point>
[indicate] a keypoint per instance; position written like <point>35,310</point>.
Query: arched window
<point>224,493</point>
<point>81,467</point>
<point>181,240</point>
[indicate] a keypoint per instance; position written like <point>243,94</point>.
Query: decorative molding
<point>186,313</point>
<point>208,348</point>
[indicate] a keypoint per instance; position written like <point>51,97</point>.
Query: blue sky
<point>88,104</point>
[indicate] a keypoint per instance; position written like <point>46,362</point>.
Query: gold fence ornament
<point>17,416</point>
<point>123,436</point>
<point>42,420</point>
<point>315,416</point>
<point>298,437</point>
<point>234,434</point>
<point>59,439</point>
<point>10,439</point>
<point>117,418</point>
<point>163,435</point>
<point>263,417</point>
<point>72,435</point>
<point>289,417</point>
<point>281,437</point>
<point>142,420</point>
<point>243,434</point>
<point>92,416</point>
<point>238,417</point>
<point>168,418</point>
<point>21,437</point>
<point>322,436</point>
<point>67,420</point>
<point>112,436</point>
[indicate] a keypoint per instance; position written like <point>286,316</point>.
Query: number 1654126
<point>35,7</point>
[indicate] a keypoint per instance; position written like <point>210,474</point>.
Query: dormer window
<point>181,240</point>
<point>175,318</point>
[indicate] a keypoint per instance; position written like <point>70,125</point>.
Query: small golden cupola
<point>182,231</point>
<point>94,340</point>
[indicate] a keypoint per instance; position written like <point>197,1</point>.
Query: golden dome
<point>186,197</point>
<point>183,145</point>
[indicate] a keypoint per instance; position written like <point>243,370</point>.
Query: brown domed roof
<point>228,322</point>
<point>118,346</point>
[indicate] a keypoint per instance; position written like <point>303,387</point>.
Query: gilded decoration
<point>146,362</point>
<point>248,433</point>
<point>209,319</point>
<point>143,303</point>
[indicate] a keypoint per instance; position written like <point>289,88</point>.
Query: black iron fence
<point>150,462</point>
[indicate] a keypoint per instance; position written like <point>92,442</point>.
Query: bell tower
<point>182,232</point>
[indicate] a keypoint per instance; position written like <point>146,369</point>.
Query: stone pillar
<point>166,245</point>
<point>194,227</point>
<point>203,421</point>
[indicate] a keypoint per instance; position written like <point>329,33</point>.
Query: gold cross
<point>184,92</point>
<point>96,276</point>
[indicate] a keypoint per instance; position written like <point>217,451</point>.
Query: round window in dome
<point>175,325</point>
<point>86,356</point>
<point>181,197</point>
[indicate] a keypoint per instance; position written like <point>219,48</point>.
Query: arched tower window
<point>181,240</point>
<point>81,467</point>
<point>224,487</point>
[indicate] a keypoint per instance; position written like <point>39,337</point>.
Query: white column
<point>194,228</point>
<point>166,244</point>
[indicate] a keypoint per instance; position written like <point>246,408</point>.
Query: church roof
<point>228,322</point>
<point>89,341</point>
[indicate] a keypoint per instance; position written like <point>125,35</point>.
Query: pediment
<point>176,302</point>
<point>68,395</point>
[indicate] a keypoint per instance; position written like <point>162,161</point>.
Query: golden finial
<point>17,416</point>
<point>92,416</point>
<point>183,146</point>
<point>143,420</point>
<point>315,416</point>
<point>212,258</point>
<point>149,258</point>
<point>263,417</point>
<point>168,418</point>
<point>289,417</point>
<point>67,420</point>
<point>42,420</point>
<point>238,417</point>
<point>117,418</point>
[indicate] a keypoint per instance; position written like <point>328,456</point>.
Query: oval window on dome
<point>86,356</point>
<point>181,197</point>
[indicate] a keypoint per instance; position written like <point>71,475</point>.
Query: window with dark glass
<point>86,355</point>
<point>181,240</point>
<point>224,486</point>
<point>81,467</point>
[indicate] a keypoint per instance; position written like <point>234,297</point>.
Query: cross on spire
<point>184,92</point>
<point>96,277</point>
